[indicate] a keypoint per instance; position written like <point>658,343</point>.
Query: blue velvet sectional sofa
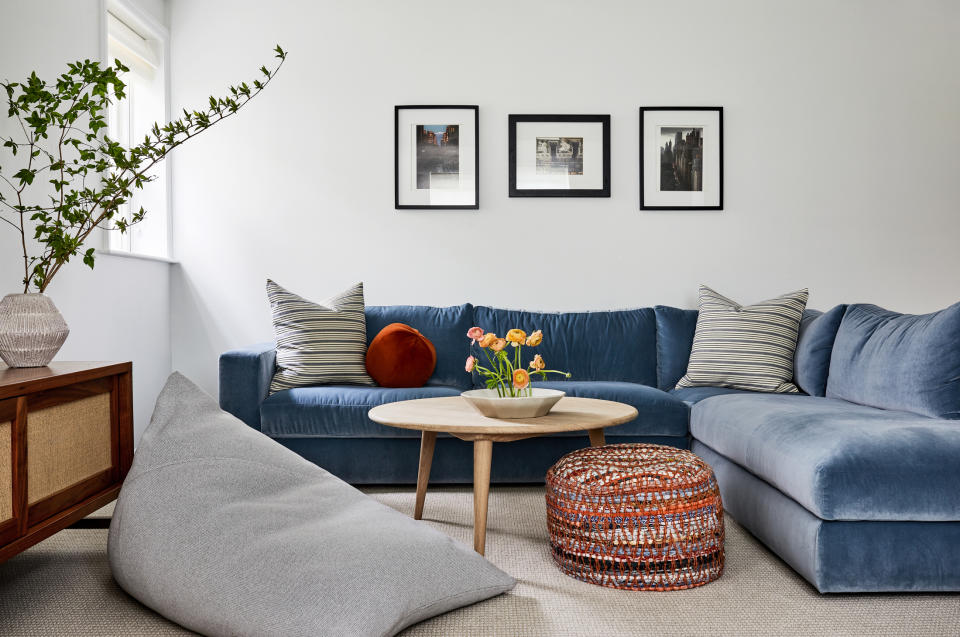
<point>855,483</point>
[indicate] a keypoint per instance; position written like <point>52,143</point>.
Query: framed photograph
<point>436,157</point>
<point>681,158</point>
<point>559,155</point>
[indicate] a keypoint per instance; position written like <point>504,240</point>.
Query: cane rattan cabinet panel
<point>66,443</point>
<point>6,471</point>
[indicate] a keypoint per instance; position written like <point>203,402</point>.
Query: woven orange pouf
<point>635,516</point>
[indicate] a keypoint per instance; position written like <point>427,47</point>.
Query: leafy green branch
<point>62,147</point>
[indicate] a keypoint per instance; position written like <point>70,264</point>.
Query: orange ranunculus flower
<point>537,363</point>
<point>535,339</point>
<point>498,344</point>
<point>487,339</point>
<point>521,378</point>
<point>516,337</point>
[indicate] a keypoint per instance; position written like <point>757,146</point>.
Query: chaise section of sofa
<point>840,461</point>
<point>855,497</point>
<point>839,556</point>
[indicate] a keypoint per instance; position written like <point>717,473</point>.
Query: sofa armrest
<point>245,376</point>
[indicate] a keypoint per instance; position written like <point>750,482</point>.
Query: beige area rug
<point>63,587</point>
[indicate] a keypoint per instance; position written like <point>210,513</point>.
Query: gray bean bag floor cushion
<point>226,532</point>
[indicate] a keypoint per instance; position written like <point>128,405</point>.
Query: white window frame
<point>147,26</point>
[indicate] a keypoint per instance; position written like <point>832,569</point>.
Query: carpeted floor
<point>63,587</point>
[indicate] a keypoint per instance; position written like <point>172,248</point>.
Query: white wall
<point>841,137</point>
<point>120,310</point>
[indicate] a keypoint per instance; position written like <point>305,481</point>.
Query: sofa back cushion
<point>446,327</point>
<point>675,330</point>
<point>818,330</point>
<point>619,345</point>
<point>898,361</point>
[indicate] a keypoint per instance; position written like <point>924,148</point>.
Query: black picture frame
<point>396,157</point>
<point>644,204</point>
<point>512,122</point>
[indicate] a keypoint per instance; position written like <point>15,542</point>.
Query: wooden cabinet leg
<point>427,441</point>
<point>596,437</point>
<point>482,455</point>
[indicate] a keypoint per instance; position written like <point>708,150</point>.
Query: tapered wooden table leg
<point>596,437</point>
<point>427,441</point>
<point>482,454</point>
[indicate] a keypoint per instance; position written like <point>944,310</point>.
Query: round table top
<point>456,416</point>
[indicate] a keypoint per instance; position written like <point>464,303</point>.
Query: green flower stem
<point>498,373</point>
<point>504,361</point>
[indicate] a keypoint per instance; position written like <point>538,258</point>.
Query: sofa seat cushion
<point>693,395</point>
<point>338,411</point>
<point>839,460</point>
<point>660,414</point>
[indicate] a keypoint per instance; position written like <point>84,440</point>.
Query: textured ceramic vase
<point>488,403</point>
<point>32,330</point>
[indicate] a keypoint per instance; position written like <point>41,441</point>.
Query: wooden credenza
<point>66,444</point>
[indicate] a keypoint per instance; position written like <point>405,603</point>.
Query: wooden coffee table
<point>456,417</point>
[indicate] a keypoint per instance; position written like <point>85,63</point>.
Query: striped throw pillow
<point>318,343</point>
<point>745,347</point>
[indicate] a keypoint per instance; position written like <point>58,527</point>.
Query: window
<point>140,43</point>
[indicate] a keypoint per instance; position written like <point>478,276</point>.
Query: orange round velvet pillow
<point>400,356</point>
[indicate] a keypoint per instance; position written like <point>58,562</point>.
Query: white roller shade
<point>134,50</point>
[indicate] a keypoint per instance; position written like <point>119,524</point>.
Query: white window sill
<point>133,255</point>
